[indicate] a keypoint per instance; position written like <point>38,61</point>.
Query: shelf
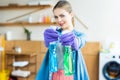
<point>24,7</point>
<point>31,56</point>
<point>16,6</point>
<point>26,24</point>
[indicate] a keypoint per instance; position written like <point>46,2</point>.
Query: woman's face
<point>63,18</point>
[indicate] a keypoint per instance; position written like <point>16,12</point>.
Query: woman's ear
<point>72,14</point>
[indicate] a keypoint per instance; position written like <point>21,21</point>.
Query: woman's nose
<point>59,19</point>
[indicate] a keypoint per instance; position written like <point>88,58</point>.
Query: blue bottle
<point>53,57</point>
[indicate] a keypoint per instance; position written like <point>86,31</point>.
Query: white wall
<point>101,16</point>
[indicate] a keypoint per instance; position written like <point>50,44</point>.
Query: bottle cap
<point>66,31</point>
<point>53,27</point>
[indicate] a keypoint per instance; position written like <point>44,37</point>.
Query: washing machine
<point>109,66</point>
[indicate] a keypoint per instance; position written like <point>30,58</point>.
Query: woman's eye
<point>62,16</point>
<point>55,17</point>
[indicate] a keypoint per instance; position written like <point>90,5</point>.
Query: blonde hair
<point>64,5</point>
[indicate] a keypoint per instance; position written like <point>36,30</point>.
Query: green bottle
<point>68,61</point>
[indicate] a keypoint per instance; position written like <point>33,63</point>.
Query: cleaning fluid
<point>52,55</point>
<point>68,61</point>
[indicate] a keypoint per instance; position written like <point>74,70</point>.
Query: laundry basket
<point>4,75</point>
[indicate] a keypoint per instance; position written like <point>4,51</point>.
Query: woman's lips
<point>61,24</point>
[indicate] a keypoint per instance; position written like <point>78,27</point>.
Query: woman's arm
<point>81,38</point>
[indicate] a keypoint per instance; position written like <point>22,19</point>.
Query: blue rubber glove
<point>50,35</point>
<point>69,39</point>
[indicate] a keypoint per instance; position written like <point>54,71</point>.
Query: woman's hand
<point>69,39</point>
<point>50,35</point>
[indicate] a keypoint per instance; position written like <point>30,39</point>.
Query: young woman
<point>64,35</point>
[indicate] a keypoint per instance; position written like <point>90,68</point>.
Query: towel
<point>20,63</point>
<point>20,73</point>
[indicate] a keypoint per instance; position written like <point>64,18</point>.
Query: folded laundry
<point>20,63</point>
<point>20,73</point>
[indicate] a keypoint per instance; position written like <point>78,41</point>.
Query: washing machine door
<point>111,70</point>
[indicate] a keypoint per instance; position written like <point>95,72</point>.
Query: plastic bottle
<point>44,19</point>
<point>52,55</point>
<point>68,61</point>
<point>30,19</point>
<point>47,19</point>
